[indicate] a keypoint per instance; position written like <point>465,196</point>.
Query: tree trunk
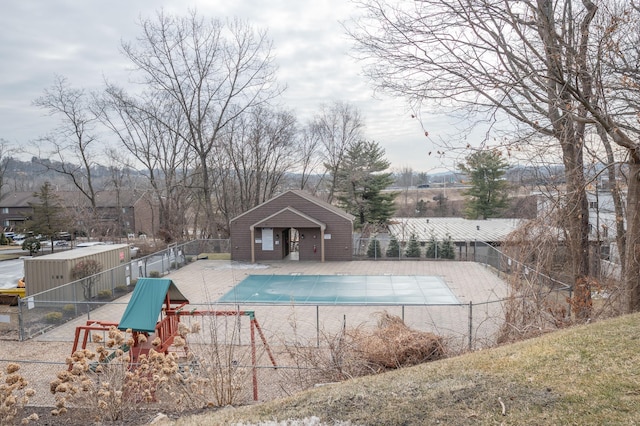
<point>632,263</point>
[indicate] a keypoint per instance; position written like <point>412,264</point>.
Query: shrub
<point>14,395</point>
<point>434,249</point>
<point>361,351</point>
<point>53,317</point>
<point>448,251</point>
<point>102,381</point>
<point>394,248</point>
<point>154,274</point>
<point>32,245</point>
<point>86,270</point>
<point>373,250</point>
<point>104,294</point>
<point>69,309</point>
<point>394,345</point>
<point>121,288</point>
<point>413,247</point>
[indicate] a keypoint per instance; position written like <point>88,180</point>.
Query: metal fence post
<point>20,320</point>
<point>470,326</point>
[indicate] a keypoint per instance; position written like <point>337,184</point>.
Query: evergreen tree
<point>447,250</point>
<point>360,183</point>
<point>434,249</point>
<point>393,250</point>
<point>373,250</point>
<point>32,245</point>
<point>48,217</point>
<point>413,247</point>
<point>487,196</point>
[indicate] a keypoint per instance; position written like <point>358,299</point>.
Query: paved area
<point>205,281</point>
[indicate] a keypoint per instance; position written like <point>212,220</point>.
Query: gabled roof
<point>146,303</point>
<point>18,199</point>
<point>72,198</point>
<point>306,196</point>
<point>292,217</point>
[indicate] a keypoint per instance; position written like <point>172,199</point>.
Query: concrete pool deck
<point>205,281</point>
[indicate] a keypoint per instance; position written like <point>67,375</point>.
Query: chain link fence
<point>40,312</point>
<point>464,326</point>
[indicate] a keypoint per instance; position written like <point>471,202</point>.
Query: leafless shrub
<point>103,382</point>
<point>359,351</point>
<point>394,345</point>
<point>219,365</point>
<point>542,296</point>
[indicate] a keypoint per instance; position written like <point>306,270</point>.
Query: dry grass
<point>583,375</point>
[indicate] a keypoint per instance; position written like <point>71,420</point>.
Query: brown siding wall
<point>339,247</point>
<point>53,270</point>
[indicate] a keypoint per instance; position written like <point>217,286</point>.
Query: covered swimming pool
<point>341,290</point>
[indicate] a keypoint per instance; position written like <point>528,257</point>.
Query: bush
<point>448,251</point>
<point>373,250</point>
<point>14,395</point>
<point>434,249</point>
<point>100,379</point>
<point>69,309</point>
<point>154,274</point>
<point>104,294</point>
<point>121,289</point>
<point>53,317</point>
<point>393,345</point>
<point>413,247</point>
<point>394,248</point>
<point>32,245</point>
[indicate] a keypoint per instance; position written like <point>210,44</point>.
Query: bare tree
<point>212,72</point>
<point>310,159</point>
<point>259,151</point>
<point>529,61</point>
<point>5,156</point>
<point>149,130</point>
<point>338,126</point>
<point>71,149</point>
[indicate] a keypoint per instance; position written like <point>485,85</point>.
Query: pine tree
<point>373,250</point>
<point>393,250</point>
<point>487,196</point>
<point>413,247</point>
<point>434,250</point>
<point>447,250</point>
<point>360,183</point>
<point>48,217</point>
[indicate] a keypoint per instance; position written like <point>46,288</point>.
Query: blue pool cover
<point>341,289</point>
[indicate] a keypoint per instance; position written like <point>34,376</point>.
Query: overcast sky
<point>80,39</point>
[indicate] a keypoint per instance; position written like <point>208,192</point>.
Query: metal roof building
<point>459,229</point>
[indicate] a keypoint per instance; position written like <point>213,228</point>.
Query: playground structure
<point>154,310</point>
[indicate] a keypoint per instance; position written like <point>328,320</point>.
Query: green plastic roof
<point>146,302</point>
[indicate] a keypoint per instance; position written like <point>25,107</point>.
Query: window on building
<point>5,210</point>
